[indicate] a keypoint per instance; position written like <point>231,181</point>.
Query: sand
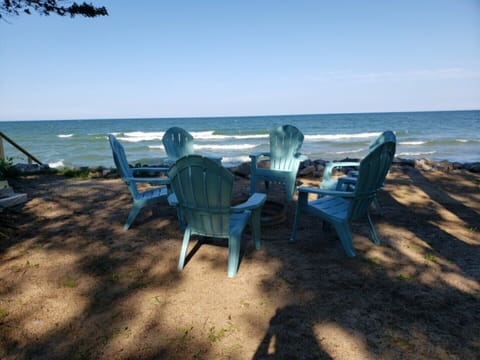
<point>75,285</point>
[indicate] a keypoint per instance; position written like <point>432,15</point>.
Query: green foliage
<point>3,313</point>
<point>69,282</point>
<point>404,277</point>
<point>77,173</point>
<point>7,170</point>
<point>430,257</point>
<point>124,332</point>
<point>47,7</point>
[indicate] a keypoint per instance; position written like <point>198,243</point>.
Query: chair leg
<point>296,220</point>
<point>233,254</point>
<point>289,190</point>
<point>253,182</point>
<point>255,227</point>
<point>343,231</point>
<point>183,251</point>
<point>378,206</point>
<point>181,219</point>
<point>132,215</point>
<point>372,231</point>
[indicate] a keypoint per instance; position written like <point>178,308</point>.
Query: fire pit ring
<point>273,213</point>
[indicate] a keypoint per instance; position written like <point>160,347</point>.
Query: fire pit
<point>273,213</point>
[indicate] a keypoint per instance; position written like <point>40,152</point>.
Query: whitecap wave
<point>210,135</point>
<point>412,143</point>
<point>137,136</point>
<point>234,160</point>
<point>333,137</point>
<point>57,164</point>
<point>348,151</point>
<point>420,153</point>
<point>65,135</point>
<point>224,147</point>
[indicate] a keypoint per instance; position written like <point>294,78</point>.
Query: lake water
<point>440,135</point>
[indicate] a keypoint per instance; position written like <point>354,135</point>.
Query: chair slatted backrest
<point>204,191</point>
<point>178,143</point>
<point>285,143</point>
<point>373,170</point>
<point>121,163</point>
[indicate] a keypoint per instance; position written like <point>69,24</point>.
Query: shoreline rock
<point>308,168</point>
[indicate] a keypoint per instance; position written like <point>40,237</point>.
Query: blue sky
<point>220,58</point>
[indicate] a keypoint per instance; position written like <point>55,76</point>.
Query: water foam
<point>334,137</point>
<point>210,135</point>
<point>224,147</point>
<point>349,151</point>
<point>412,143</point>
<point>57,164</point>
<point>420,153</point>
<point>137,136</point>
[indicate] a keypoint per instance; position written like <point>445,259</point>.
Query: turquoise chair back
<point>156,194</point>
<point>121,163</point>
<point>285,144</point>
<point>204,192</point>
<point>178,143</point>
<point>371,176</point>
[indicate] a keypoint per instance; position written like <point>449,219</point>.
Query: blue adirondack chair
<point>140,198</point>
<point>179,143</point>
<point>284,156</point>
<point>348,182</point>
<point>202,191</point>
<point>339,208</point>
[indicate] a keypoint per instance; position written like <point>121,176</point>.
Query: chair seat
<point>153,193</point>
<point>335,208</point>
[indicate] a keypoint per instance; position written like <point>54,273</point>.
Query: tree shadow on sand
<point>107,293</point>
<point>401,299</point>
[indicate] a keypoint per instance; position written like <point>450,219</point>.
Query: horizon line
<point>237,116</point>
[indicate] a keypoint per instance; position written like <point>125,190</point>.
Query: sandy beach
<point>75,285</point>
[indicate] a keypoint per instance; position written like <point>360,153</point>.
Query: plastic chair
<point>284,156</point>
<point>339,208</point>
<point>348,183</point>
<point>179,143</point>
<point>140,198</point>
<point>202,191</point>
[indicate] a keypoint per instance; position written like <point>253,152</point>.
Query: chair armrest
<point>254,202</point>
<point>255,156</point>
<point>347,180</point>
<point>172,200</point>
<point>331,165</point>
<point>301,157</point>
<point>327,172</point>
<point>325,192</point>
<point>353,173</point>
